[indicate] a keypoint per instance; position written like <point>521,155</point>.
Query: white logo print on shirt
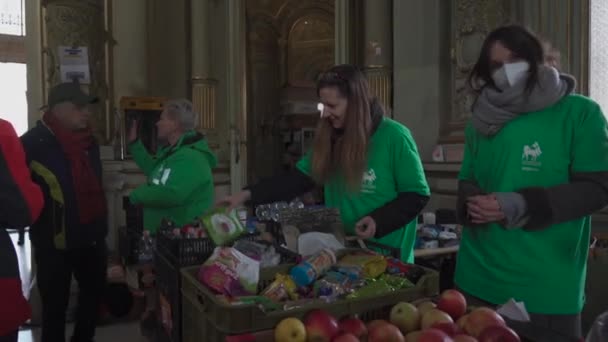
<point>368,183</point>
<point>530,157</point>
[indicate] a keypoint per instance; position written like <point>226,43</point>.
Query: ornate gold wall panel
<point>204,100</point>
<point>81,23</point>
<point>381,85</point>
<point>472,20</point>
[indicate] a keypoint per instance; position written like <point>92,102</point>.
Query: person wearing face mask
<point>535,168</point>
<point>368,165</point>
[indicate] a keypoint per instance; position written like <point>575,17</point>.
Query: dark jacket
<point>20,204</point>
<point>59,225</point>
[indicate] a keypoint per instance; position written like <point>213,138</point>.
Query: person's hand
<point>133,131</point>
<point>484,209</point>
<point>235,200</point>
<point>366,228</point>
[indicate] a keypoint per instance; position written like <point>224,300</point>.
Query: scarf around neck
<point>494,108</point>
<point>89,192</point>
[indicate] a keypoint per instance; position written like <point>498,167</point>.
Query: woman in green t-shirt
<point>535,167</point>
<point>368,165</point>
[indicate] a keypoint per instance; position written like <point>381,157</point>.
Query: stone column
<point>344,33</point>
<point>204,87</point>
<point>378,45</point>
<point>81,23</point>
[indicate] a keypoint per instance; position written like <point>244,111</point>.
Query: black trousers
<point>12,337</point>
<point>54,273</point>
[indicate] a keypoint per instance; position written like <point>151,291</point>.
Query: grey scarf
<point>494,109</point>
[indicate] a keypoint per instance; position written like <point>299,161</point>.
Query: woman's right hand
<point>236,200</point>
<point>133,131</point>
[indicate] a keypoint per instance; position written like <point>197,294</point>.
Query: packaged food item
<point>230,272</point>
<point>372,265</point>
<point>397,282</point>
<point>313,267</point>
<point>374,287</point>
<point>333,285</point>
<point>223,226</point>
<point>396,266</point>
<point>282,288</point>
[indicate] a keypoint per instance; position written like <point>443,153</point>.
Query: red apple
<point>453,303</point>
<point>434,335</point>
<point>321,326</point>
<point>451,329</point>
<point>374,324</point>
<point>435,316</point>
<point>498,333</point>
<point>464,338</point>
<point>480,319</point>
<point>353,326</point>
<point>346,338</point>
<point>385,333</point>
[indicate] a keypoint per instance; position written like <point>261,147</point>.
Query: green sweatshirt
<point>180,182</point>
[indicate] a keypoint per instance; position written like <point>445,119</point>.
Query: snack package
<point>396,266</point>
<point>281,289</point>
<point>375,287</point>
<point>397,282</point>
<point>332,285</point>
<point>230,272</point>
<point>372,265</point>
<point>222,226</point>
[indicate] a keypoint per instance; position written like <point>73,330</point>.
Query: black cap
<point>69,92</point>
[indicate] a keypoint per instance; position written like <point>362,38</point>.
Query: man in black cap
<point>69,237</point>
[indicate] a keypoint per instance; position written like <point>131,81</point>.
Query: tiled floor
<point>108,333</point>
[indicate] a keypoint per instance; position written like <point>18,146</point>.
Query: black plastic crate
<point>134,214</point>
<point>184,252</point>
<point>128,244</point>
<point>168,284</point>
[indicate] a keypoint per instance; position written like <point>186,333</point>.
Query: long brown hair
<point>344,153</point>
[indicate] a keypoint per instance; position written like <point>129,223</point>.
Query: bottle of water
<point>146,248</point>
<point>599,330</point>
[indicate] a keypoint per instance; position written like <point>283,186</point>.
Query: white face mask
<point>510,73</point>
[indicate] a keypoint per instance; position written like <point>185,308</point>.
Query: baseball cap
<point>69,92</point>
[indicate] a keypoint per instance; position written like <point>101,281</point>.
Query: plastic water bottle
<point>146,248</point>
<point>599,330</point>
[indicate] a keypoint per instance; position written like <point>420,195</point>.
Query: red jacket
<point>20,205</point>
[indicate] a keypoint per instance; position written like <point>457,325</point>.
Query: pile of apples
<point>446,321</point>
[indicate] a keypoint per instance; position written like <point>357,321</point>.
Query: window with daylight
<point>12,17</point>
<point>598,54</point>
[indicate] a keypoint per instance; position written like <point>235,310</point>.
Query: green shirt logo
<point>530,157</point>
<point>368,184</point>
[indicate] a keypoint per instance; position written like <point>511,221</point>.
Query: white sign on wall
<point>74,64</point>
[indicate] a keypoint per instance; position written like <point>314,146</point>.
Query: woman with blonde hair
<point>368,165</point>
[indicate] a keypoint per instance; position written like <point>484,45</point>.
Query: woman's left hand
<point>366,228</point>
<point>484,209</point>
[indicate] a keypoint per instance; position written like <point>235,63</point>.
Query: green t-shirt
<point>545,269</point>
<point>393,166</point>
